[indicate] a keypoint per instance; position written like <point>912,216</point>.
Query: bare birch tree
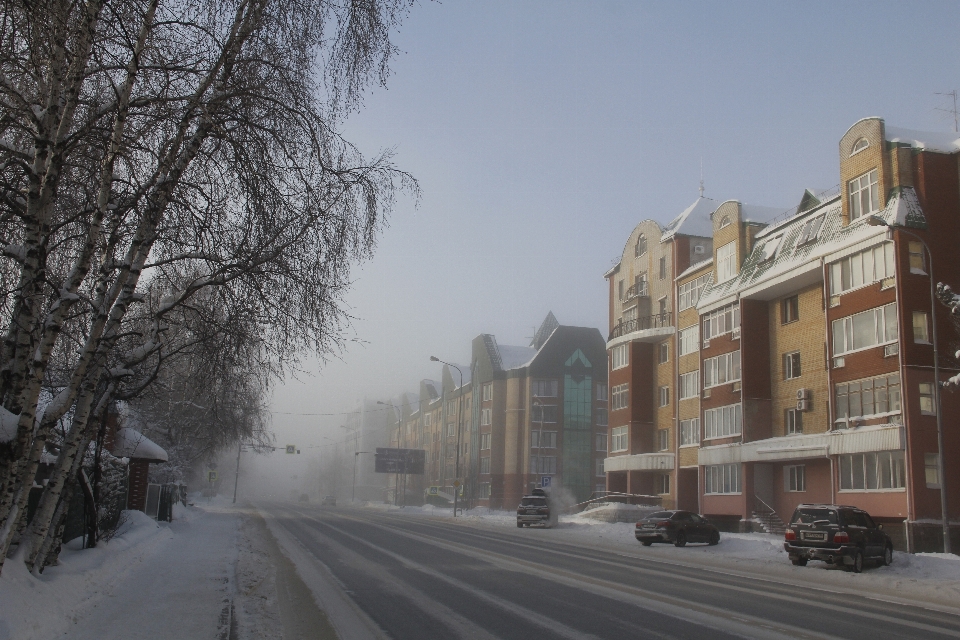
<point>151,151</point>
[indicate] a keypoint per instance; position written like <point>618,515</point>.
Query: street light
<point>356,454</point>
<point>396,480</point>
<point>877,221</point>
<point>456,489</point>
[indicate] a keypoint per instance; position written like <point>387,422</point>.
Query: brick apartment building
<point>806,369</point>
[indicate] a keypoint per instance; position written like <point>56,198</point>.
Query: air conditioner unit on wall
<point>706,393</point>
<point>699,249</point>
<point>803,394</point>
<point>735,334</point>
<point>803,405</point>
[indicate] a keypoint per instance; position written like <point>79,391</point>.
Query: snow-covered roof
<point>693,221</point>
<point>434,387</point>
<point>8,425</point>
<point>696,266</point>
<point>130,443</point>
<point>796,254</point>
<point>456,376</point>
<point>943,142</point>
<point>515,357</point>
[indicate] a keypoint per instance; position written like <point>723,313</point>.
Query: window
<point>663,352</point>
<point>725,222</point>
<point>620,356</point>
<point>427,419</point>
<point>721,369</point>
<point>920,327</point>
<point>724,320</point>
<point>863,268</point>
<point>484,465</point>
<point>864,330</point>
<point>601,441</point>
<point>768,250</point>
<point>485,440</point>
<point>810,230</point>
<point>689,385</point>
<point>641,247</point>
<point>545,388</point>
<point>600,471</point>
<point>722,478</point>
<point>663,483</point>
<point>548,464</point>
<point>484,490</point>
<point>663,439</point>
<point>864,195</point>
<point>869,397</point>
<point>789,309</point>
<point>792,422</point>
<point>640,284</point>
<point>872,471</point>
<point>485,417</point>
<point>663,308</point>
<point>917,262</point>
<point>549,439</point>
<point>601,415</point>
<point>618,439</point>
<point>451,450</point>
<point>723,421</point>
<point>451,406</point>
<point>794,478</point>
<point>927,406</point>
<point>690,292</point>
<point>931,464</point>
<point>619,397</point>
<point>791,365</point>
<point>664,395</point>
<point>689,432</point>
<point>452,429</point>
<point>543,413</point>
<point>726,261</point>
<point>487,392</point>
<point>602,391</point>
<point>859,146</point>
<point>663,267</point>
<point>689,339</point>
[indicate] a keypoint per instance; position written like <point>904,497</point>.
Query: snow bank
<point>8,425</point>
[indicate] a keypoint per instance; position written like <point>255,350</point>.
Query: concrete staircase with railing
<point>768,519</point>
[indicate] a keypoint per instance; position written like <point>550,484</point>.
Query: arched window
<point>859,146</point>
<point>725,222</point>
<point>641,247</point>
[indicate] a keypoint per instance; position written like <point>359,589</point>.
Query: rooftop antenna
<point>953,111</point>
<point>701,170</point>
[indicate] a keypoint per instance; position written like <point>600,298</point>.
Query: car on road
<point>677,527</point>
<point>836,534</point>
<point>535,509</point>
<point>328,501</point>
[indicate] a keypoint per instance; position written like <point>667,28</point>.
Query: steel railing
<point>624,327</point>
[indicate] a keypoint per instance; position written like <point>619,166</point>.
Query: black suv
<point>536,509</point>
<point>836,534</point>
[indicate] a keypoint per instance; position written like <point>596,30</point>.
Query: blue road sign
<point>545,481</point>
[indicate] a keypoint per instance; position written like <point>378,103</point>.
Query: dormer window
<point>859,146</point>
<point>641,247</point>
<point>864,192</point>
<point>725,222</point>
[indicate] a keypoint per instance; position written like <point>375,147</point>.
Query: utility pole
<point>953,112</point>
<point>236,477</point>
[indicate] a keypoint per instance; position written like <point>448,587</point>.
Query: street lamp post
<point>396,479</point>
<point>877,221</point>
<point>456,489</point>
<point>356,454</point>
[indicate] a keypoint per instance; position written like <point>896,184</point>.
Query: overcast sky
<point>542,132</point>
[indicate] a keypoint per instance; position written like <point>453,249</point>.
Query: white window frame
<point>488,392</point>
<point>917,257</point>
<point>792,422</point>
<point>663,352</point>
<point>722,479</point>
<point>928,404</point>
<point>547,464</point>
<point>891,390</point>
<point>862,269</point>
<point>486,417</point>
<point>619,439</point>
<point>485,439</point>
<point>721,369</point>
<point>663,394</point>
<point>931,470</point>
<point>545,387</point>
<point>689,340</point>
<point>599,468</point>
<point>723,422</point>
<point>921,327</point>
<point>620,356</point>
<point>484,491</point>
<point>794,478</point>
<point>549,439</point>
<point>689,293</point>
<point>791,365</point>
<point>601,417</point>
<point>878,462</point>
<point>485,465</point>
<point>721,321</point>
<point>864,194</point>
<point>727,262</point>
<point>663,439</point>
<point>620,397</point>
<point>690,432</point>
<point>547,414</point>
<point>883,333</point>
<point>662,484</point>
<point>689,385</point>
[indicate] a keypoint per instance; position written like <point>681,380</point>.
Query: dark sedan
<point>678,527</point>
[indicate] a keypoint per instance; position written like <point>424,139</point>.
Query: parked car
<point>836,534</point>
<point>536,509</point>
<point>328,501</point>
<point>678,527</point>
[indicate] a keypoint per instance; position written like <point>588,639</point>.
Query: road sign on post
<point>211,476</point>
<point>545,481</point>
<point>291,448</point>
<point>410,461</point>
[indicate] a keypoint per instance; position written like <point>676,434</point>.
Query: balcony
<point>640,462</point>
<point>637,290</point>
<point>660,321</point>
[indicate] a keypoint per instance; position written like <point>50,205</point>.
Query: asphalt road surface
<point>419,578</point>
